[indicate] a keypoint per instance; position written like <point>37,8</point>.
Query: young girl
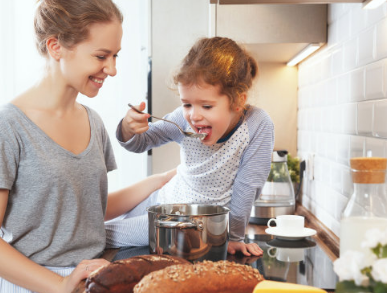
<point>230,166</point>
<point>55,154</point>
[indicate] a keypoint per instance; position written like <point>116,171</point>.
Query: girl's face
<point>208,111</point>
<point>86,66</point>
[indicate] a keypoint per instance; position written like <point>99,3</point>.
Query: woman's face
<point>86,66</point>
<point>208,111</point>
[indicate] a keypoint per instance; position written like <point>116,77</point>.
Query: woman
<point>55,154</point>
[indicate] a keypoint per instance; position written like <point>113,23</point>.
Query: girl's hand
<point>134,122</point>
<point>82,271</point>
<point>247,249</point>
<point>244,260</point>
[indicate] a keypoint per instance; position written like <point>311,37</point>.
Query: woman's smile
<point>97,81</point>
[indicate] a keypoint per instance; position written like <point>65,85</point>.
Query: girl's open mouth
<point>206,129</point>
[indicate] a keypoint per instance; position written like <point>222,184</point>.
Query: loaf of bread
<point>122,275</point>
<point>207,276</point>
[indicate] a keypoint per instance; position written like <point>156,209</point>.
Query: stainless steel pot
<point>191,231</point>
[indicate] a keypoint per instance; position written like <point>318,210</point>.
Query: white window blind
<point>21,66</point>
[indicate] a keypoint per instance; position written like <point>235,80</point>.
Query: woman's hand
<point>134,122</point>
<point>82,271</point>
<point>247,249</point>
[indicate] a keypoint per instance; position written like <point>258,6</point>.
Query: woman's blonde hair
<point>69,20</point>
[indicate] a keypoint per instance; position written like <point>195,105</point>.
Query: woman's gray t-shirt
<point>57,200</point>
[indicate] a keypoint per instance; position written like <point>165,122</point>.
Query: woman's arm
<point>21,271</point>
<point>124,200</point>
<point>18,269</point>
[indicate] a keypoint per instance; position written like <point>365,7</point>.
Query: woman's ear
<point>53,48</point>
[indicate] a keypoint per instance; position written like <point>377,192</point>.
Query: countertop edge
<point>327,240</point>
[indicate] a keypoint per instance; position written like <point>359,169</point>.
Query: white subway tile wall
<point>343,106</point>
<point>364,118</point>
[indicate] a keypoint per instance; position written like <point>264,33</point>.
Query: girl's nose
<point>110,67</point>
<point>195,114</point>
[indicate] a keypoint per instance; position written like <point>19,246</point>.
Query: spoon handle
<point>138,111</point>
<point>135,109</point>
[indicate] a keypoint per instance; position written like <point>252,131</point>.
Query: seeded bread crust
<point>122,275</point>
<point>207,276</point>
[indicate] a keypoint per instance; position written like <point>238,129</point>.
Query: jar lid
<point>279,156</point>
<point>368,169</point>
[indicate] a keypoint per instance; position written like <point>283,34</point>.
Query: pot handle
<point>180,225</point>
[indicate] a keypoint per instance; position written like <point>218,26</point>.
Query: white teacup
<point>287,254</point>
<point>288,224</point>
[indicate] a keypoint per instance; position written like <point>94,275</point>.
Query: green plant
<point>294,168</point>
<point>278,172</point>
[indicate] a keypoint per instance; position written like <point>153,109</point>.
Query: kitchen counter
<point>306,261</point>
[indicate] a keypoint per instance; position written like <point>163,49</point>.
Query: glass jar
<point>367,207</point>
<point>278,189</point>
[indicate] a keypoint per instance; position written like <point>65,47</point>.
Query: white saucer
<point>288,236</point>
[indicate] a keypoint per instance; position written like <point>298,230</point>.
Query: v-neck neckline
<point>48,138</point>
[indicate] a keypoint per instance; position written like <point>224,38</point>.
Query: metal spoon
<point>186,133</point>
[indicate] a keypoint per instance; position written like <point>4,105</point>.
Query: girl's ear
<point>243,99</point>
<point>53,48</point>
<point>240,105</point>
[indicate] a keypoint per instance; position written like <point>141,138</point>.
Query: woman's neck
<point>49,93</point>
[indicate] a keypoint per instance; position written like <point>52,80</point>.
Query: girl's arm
<point>159,133</point>
<point>124,200</point>
<point>134,123</point>
<point>252,174</point>
<point>21,271</point>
